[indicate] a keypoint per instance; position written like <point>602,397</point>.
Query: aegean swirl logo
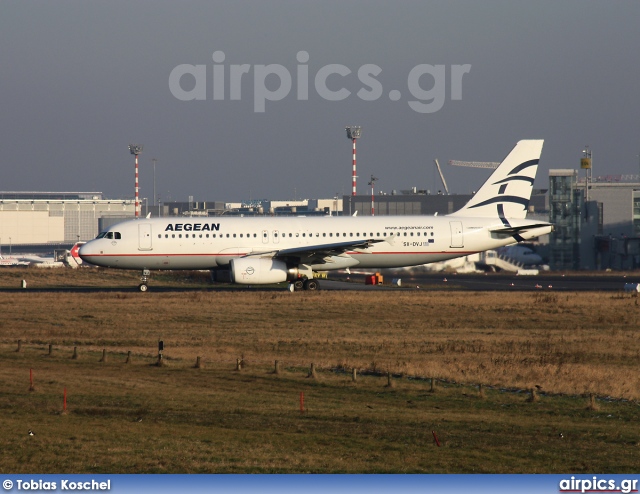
<point>427,84</point>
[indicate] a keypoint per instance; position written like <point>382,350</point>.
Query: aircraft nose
<point>84,250</point>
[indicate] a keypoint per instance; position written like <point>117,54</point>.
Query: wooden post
<point>301,402</point>
<point>50,349</point>
<point>354,374</point>
<point>390,383</point>
<point>75,353</point>
<point>312,371</point>
<point>128,361</point>
<point>104,355</point>
<point>31,388</point>
<point>276,369</point>
<point>64,402</point>
<point>481,394</point>
<point>433,385</point>
<point>238,366</point>
<point>533,397</point>
<point>198,363</point>
<point>19,346</point>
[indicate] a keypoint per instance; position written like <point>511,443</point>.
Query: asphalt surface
<point>431,282</point>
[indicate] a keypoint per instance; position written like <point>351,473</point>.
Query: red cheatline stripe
<point>246,253</point>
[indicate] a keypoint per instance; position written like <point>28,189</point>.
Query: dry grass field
<point>138,417</point>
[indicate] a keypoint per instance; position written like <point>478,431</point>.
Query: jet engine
<point>260,271</point>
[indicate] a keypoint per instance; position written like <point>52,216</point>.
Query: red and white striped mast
<point>372,183</point>
<point>136,150</point>
<point>353,133</point>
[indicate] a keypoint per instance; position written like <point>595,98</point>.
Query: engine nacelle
<point>260,271</point>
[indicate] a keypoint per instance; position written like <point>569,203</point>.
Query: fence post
<point>312,371</point>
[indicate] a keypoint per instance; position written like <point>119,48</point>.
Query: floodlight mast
<point>136,150</point>
<point>353,133</point>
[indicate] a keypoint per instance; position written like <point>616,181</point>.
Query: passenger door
<point>144,236</point>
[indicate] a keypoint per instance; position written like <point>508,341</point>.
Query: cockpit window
<point>101,234</point>
<point>114,235</point>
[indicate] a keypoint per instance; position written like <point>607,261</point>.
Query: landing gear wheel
<point>143,287</point>
<point>298,285</point>
<point>311,285</point>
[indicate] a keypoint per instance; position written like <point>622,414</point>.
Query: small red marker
<point>436,438</point>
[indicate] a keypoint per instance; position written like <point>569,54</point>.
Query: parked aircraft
<point>264,250</point>
<point>521,254</point>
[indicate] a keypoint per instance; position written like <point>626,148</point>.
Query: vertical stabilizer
<point>507,192</point>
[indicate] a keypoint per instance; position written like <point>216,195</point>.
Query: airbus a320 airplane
<point>264,250</point>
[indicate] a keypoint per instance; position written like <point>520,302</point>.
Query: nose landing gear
<point>143,286</point>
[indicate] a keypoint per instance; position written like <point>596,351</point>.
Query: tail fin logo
<point>512,176</point>
<point>510,185</point>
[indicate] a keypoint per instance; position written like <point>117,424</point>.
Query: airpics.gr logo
<point>426,83</point>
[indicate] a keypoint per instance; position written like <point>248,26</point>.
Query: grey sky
<point>81,80</point>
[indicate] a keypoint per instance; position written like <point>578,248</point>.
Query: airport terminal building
<point>42,221</point>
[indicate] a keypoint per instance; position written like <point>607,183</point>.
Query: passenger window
<point>351,234</point>
<point>227,235</point>
<point>173,235</point>
<point>324,234</point>
<point>411,234</point>
<point>159,236</point>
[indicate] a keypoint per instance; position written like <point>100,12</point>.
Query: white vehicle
<point>264,250</point>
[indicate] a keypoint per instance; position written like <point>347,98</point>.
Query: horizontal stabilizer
<point>510,230</point>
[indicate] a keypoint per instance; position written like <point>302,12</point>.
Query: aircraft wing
<point>316,254</point>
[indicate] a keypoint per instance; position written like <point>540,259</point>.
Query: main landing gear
<point>305,284</point>
<point>143,286</point>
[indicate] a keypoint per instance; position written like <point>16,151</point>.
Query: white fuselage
<point>211,242</point>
